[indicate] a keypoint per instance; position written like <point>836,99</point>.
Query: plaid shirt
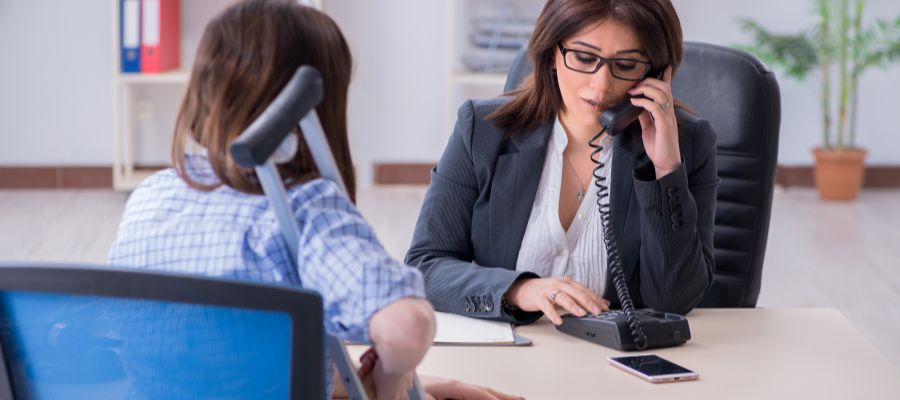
<point>169,226</point>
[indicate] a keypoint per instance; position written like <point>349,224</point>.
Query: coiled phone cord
<point>612,245</point>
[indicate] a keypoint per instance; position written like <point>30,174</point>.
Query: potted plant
<point>838,39</point>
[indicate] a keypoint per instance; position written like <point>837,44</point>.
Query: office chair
<point>739,96</point>
<point>80,332</point>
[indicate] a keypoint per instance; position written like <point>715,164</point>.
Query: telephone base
<point>610,329</point>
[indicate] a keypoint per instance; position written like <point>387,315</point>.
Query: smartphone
<point>653,368</point>
<point>620,116</point>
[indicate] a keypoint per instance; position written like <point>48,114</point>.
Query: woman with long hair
<point>510,230</point>
<point>208,215</point>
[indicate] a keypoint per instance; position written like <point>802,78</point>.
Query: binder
<point>160,35</point>
<point>130,35</point>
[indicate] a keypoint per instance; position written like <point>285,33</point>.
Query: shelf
<point>129,181</point>
<point>478,78</point>
<point>170,77</point>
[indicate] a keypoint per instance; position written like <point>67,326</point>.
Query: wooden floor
<point>835,255</point>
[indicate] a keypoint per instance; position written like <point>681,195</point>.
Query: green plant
<point>838,37</point>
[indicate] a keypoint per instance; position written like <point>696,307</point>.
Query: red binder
<point>160,35</point>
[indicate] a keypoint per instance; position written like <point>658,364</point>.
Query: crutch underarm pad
<point>301,94</point>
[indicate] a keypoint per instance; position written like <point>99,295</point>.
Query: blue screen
<point>68,346</point>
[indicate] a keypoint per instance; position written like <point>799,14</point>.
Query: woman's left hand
<point>443,389</point>
<point>658,125</point>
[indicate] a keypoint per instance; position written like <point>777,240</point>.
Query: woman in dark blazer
<point>504,232</point>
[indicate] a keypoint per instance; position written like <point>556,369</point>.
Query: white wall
<point>56,93</point>
<point>56,80</point>
<point>397,92</point>
<point>801,127</point>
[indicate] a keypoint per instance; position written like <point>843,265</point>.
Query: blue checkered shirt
<point>169,226</point>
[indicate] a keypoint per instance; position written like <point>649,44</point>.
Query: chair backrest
<point>83,332</point>
<point>739,96</point>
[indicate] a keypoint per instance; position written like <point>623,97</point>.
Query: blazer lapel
<point>513,188</point>
<point>629,151</point>
<point>623,162</point>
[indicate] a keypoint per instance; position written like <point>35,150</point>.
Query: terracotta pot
<point>839,173</point>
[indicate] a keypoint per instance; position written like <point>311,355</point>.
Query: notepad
<point>456,329</point>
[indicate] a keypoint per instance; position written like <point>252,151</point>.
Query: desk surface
<point>739,353</point>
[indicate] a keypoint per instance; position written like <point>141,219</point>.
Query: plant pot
<point>839,173</point>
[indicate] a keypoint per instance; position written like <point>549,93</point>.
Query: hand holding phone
<point>653,368</point>
<point>620,116</point>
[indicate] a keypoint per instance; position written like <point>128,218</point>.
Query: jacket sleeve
<point>677,215</point>
<point>441,247</point>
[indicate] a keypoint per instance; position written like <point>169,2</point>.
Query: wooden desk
<point>739,353</point>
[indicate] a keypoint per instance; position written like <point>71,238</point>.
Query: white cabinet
<point>145,105</point>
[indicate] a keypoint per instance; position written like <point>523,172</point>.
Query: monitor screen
<point>74,346</point>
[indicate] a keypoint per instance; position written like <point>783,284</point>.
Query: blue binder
<point>130,35</point>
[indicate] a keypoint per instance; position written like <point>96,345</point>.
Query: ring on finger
<point>553,295</point>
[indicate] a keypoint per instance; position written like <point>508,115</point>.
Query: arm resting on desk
<point>442,247</point>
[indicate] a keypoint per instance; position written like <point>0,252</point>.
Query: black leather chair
<point>739,96</point>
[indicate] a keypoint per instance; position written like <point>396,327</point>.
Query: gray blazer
<point>471,224</point>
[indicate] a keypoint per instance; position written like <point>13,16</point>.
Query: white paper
<point>456,329</point>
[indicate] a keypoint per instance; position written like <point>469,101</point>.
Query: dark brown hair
<point>245,57</point>
<point>538,99</point>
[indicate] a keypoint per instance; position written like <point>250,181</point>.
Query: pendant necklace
<point>579,196</point>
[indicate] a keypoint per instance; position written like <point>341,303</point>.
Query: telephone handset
<point>628,329</point>
<point>618,117</point>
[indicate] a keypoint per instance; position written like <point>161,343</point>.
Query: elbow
<point>421,259</point>
<point>692,298</point>
<point>413,257</point>
<point>681,305</point>
<point>684,309</point>
<point>402,332</point>
<point>418,256</point>
<point>414,331</point>
<point>682,294</point>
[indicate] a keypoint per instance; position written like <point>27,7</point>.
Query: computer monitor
<point>99,332</point>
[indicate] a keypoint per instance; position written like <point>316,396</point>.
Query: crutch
<point>265,143</point>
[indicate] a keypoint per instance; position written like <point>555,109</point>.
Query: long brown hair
<point>538,99</point>
<point>245,57</point>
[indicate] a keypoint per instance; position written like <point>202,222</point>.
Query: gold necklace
<point>579,196</point>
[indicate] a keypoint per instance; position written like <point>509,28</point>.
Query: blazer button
<point>671,191</point>
<point>675,226</point>
<point>489,307</point>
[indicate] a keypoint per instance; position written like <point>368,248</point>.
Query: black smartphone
<point>653,368</point>
<point>620,116</point>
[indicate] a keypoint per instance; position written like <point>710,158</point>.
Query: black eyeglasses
<point>627,69</point>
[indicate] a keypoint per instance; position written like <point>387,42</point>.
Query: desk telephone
<point>626,329</point>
